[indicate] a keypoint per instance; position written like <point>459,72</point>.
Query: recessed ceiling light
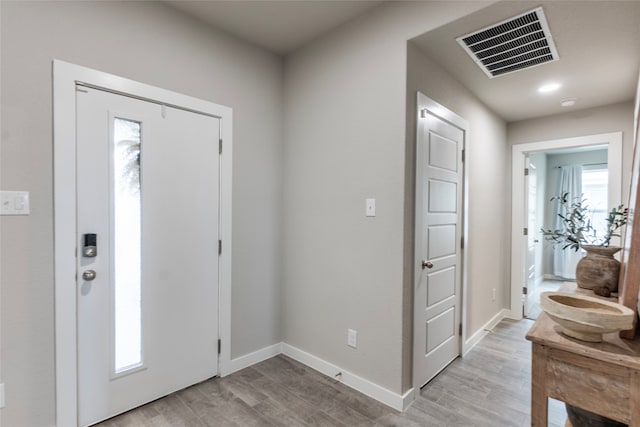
<point>549,87</point>
<point>569,102</point>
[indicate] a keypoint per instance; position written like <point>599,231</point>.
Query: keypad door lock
<point>90,245</point>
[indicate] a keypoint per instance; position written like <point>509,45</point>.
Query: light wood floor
<point>534,295</point>
<point>488,387</point>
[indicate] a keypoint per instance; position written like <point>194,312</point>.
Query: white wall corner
<point>250,359</point>
<point>408,398</point>
<point>484,330</point>
<point>394,400</point>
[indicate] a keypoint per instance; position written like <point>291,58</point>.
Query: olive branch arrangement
<point>577,228</point>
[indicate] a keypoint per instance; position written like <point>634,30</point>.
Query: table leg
<point>634,399</point>
<point>539,400</point>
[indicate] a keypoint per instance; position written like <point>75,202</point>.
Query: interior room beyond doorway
<point>583,174</point>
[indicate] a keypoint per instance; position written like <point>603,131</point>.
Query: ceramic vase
<point>598,268</point>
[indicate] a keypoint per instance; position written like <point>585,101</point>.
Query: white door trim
<point>65,77</point>
<point>519,151</point>
<point>447,115</point>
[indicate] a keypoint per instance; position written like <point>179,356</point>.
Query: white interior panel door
<point>531,197</point>
<point>148,199</point>
<point>439,182</point>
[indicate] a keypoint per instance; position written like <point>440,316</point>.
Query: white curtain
<point>564,261</point>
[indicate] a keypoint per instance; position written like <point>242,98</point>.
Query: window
<point>127,247</point>
<point>595,183</point>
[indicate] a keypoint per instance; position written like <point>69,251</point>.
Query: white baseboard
<point>483,331</point>
<point>251,359</point>
<point>381,394</point>
<point>407,399</point>
<point>394,400</point>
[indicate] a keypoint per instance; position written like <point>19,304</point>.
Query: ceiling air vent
<point>521,42</point>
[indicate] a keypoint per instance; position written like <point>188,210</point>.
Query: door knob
<point>89,275</point>
<point>427,264</point>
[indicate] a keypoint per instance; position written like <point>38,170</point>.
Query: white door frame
<point>424,102</point>
<point>65,77</point>
<point>613,141</point>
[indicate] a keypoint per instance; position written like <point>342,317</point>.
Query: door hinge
<point>219,247</point>
<point>462,243</point>
<point>219,346</point>
<point>524,290</point>
<point>463,154</point>
<point>525,231</point>
<point>526,171</point>
<point>460,329</point>
<point>220,146</point>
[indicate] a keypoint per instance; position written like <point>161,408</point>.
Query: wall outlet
<point>493,294</point>
<point>1,395</point>
<point>352,338</point>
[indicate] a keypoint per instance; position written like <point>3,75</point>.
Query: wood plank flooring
<point>488,387</point>
<point>533,298</point>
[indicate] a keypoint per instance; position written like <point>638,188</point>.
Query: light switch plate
<point>14,203</point>
<point>352,338</point>
<point>371,207</point>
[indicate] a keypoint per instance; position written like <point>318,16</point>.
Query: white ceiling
<point>599,47</point>
<point>598,43</point>
<point>278,26</point>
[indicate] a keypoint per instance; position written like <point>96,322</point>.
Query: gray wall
<point>486,155</point>
<point>606,119</point>
<point>152,43</point>
<point>345,101</point>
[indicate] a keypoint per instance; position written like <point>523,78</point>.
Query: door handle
<point>426,264</point>
<point>88,275</point>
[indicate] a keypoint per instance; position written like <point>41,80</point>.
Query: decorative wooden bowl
<point>586,318</point>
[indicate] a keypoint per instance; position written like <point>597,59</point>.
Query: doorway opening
<point>599,161</point>
<point>580,173</point>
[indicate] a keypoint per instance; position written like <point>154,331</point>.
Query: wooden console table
<point>603,378</point>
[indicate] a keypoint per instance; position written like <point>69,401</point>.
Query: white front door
<point>147,201</point>
<point>439,190</point>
